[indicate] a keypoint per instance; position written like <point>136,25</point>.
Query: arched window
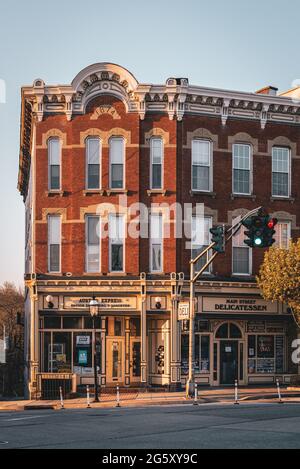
<point>93,163</point>
<point>228,331</point>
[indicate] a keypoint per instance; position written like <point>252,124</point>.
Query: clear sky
<point>234,44</point>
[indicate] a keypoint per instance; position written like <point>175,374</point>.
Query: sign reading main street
<point>118,303</point>
<point>236,305</point>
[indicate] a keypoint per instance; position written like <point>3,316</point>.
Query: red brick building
<point>90,153</point>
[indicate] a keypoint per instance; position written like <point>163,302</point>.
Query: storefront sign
<point>183,311</point>
<point>236,305</point>
<point>83,340</point>
<point>118,303</point>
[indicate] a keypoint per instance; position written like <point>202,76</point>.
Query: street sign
<point>183,311</point>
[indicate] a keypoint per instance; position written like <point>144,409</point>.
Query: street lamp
<point>94,312</point>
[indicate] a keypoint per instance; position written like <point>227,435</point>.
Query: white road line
<point>24,418</point>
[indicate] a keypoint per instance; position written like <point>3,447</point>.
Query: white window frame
<point>210,172</point>
<point>289,173</point>
<point>161,163</point>
<point>250,257</point>
<point>116,215</point>
<point>209,271</point>
<point>289,231</point>
<point>157,214</point>
<point>49,165</point>
<point>91,137</point>
<point>86,243</point>
<point>250,168</point>
<point>49,244</point>
<point>124,162</point>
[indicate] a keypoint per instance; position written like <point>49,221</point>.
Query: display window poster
<point>265,346</point>
<point>82,357</point>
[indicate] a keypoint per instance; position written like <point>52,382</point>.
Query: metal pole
<point>96,399</point>
<point>61,398</point>
<point>279,393</point>
<point>88,396</point>
<point>190,381</point>
<point>236,399</point>
<point>118,397</point>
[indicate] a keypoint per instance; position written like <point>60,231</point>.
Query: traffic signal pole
<point>190,384</point>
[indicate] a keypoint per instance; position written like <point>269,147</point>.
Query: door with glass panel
<point>135,361</point>
<point>115,360</point>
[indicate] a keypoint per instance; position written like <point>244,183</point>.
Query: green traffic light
<point>258,241</point>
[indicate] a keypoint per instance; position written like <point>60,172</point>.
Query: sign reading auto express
<point>236,305</point>
<point>76,302</point>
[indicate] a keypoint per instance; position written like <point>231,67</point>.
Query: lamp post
<point>94,312</point>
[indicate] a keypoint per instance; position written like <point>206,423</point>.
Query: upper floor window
<point>156,171</point>
<point>241,254</point>
<point>92,243</point>
<point>54,163</point>
<point>241,164</point>
<point>283,235</point>
<point>93,163</point>
<point>116,242</point>
<point>54,243</point>
<point>116,158</point>
<point>200,239</point>
<point>281,167</point>
<point>201,165</point>
<point>156,242</point>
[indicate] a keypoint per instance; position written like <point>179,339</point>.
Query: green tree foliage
<point>11,373</point>
<point>279,277</point>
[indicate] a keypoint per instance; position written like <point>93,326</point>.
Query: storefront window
<point>118,327</point>
<point>52,322</point>
<point>88,322</point>
<point>201,353</point>
<point>59,353</point>
<point>265,354</point>
<point>72,322</point>
<point>82,350</point>
<point>184,353</point>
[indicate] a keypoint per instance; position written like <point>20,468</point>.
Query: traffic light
<point>260,231</point>
<point>218,237</point>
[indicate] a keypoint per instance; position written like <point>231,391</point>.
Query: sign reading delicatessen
<point>208,304</point>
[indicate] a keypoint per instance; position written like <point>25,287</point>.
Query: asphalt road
<point>184,426</point>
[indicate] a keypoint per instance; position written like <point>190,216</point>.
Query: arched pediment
<point>104,78</point>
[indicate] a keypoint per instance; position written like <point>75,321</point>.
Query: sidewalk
<point>138,399</point>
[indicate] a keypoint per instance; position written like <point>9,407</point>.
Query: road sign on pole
<point>183,311</point>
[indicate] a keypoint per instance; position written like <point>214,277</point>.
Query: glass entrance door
<point>228,362</point>
<point>115,366</point>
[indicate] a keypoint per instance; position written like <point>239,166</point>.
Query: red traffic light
<point>273,222</point>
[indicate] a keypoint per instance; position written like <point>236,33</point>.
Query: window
<point>54,241</point>
<point>283,235</point>
<point>200,239</point>
<point>201,165</point>
<point>156,234</point>
<point>93,163</point>
<point>116,156</point>
<point>241,254</point>
<point>92,243</point>
<point>156,173</point>
<point>241,163</point>
<point>54,159</point>
<point>280,172</point>
<point>202,353</point>
<point>116,241</point>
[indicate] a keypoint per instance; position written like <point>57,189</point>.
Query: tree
<point>279,277</point>
<point>11,305</point>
